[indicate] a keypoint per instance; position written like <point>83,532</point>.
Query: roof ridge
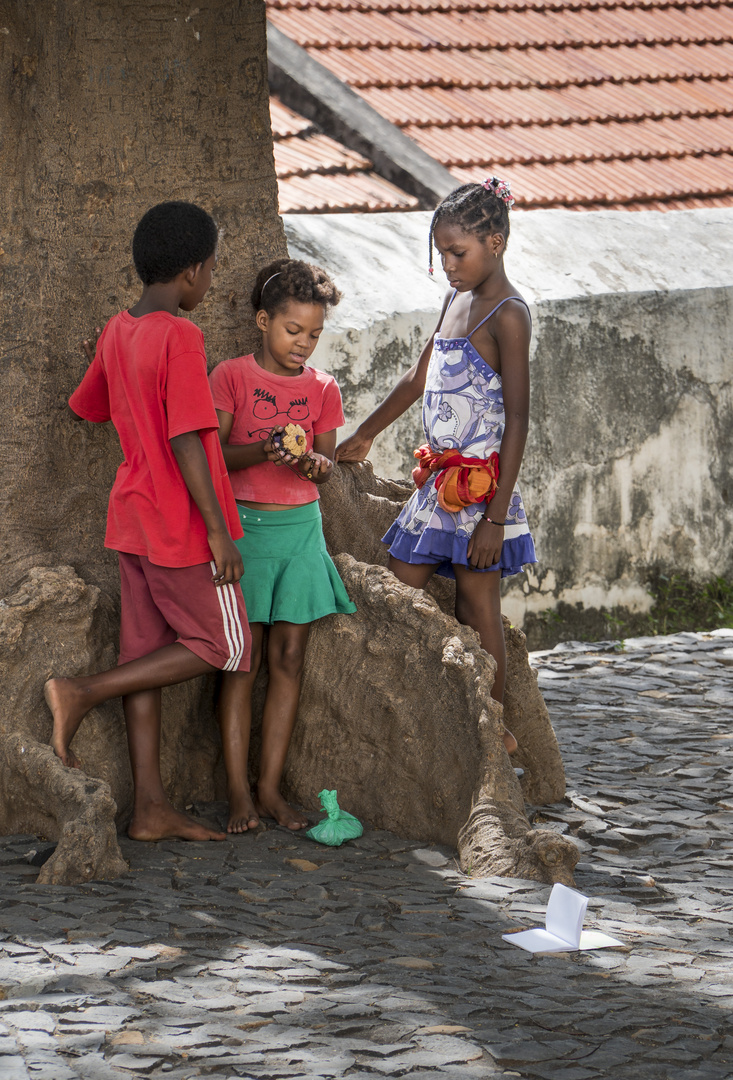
<point>420,7</point>
<point>526,46</point>
<point>495,78</point>
<point>613,80</point>
<point>411,32</point>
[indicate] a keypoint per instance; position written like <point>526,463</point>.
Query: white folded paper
<point>563,927</point>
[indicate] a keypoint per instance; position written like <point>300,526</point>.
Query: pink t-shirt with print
<point>259,401</point>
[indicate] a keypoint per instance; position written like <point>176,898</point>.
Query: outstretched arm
<point>406,393</point>
<point>191,457</point>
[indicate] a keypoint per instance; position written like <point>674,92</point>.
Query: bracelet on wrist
<point>499,524</point>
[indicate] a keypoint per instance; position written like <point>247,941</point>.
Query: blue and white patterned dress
<point>463,409</point>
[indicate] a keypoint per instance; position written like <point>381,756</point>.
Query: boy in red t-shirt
<point>171,515</point>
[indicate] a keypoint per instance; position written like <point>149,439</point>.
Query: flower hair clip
<point>501,189</point>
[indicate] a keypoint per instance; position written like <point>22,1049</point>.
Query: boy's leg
<point>235,721</point>
<point>153,817</point>
<point>70,699</point>
<point>416,575</point>
<point>159,604</point>
<point>478,604</point>
<point>285,658</point>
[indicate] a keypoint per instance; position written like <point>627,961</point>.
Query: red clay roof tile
<point>358,192</point>
<point>286,122</point>
<point>463,148</point>
<point>318,29</point>
<point>436,107</point>
<point>392,7</point>
<point>316,174</point>
<point>317,154</point>
<point>600,183</point>
<point>614,103</point>
<point>373,67</point>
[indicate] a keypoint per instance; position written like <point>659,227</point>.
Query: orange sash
<point>460,481</point>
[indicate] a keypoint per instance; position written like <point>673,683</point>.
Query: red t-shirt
<point>259,401</point>
<point>149,378</point>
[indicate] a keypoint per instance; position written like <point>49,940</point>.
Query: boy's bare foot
<point>242,813</point>
<point>159,821</point>
<point>68,709</point>
<point>510,743</point>
<point>271,804</point>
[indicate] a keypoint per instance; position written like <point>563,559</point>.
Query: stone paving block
<point>139,1065</point>
<point>51,1070</point>
<point>13,1067</point>
<point>560,1072</point>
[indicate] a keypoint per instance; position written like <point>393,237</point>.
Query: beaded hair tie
<point>501,189</point>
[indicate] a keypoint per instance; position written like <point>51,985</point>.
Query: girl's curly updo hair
<point>481,209</point>
<point>292,279</point>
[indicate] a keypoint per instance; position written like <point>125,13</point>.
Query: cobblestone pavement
<point>269,956</point>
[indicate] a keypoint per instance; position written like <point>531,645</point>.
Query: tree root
<point>80,811</point>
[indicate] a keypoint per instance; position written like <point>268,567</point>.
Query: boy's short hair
<point>169,238</point>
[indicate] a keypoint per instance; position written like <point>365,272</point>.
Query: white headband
<point>268,282</point>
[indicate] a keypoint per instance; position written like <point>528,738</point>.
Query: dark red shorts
<point>166,604</point>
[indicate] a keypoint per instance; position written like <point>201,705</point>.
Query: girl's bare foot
<point>159,821</point>
<point>270,803</point>
<point>510,743</point>
<point>68,709</point>
<point>242,813</point>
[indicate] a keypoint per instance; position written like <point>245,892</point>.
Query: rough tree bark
<point>107,108</point>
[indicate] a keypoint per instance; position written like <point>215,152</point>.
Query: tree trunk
<point>109,108</point>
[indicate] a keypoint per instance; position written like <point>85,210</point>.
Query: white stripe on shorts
<point>230,599</point>
<point>233,629</point>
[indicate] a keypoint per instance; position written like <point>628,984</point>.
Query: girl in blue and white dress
<point>466,518</point>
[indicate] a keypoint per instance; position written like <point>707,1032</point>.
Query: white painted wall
<point>628,460</point>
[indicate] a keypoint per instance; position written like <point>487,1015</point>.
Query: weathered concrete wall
<point>628,460</point>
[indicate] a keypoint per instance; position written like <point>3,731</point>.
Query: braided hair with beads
<point>482,209</point>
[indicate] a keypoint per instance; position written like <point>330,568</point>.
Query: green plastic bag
<point>338,826</point>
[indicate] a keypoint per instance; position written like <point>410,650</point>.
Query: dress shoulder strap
<point>495,309</point>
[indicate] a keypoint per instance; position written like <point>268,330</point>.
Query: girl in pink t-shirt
<point>289,578</point>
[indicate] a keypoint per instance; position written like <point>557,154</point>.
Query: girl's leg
<point>71,699</point>
<point>153,817</point>
<point>286,647</point>
<point>478,604</point>
<point>416,575</point>
<point>235,721</point>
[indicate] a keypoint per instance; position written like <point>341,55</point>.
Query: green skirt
<point>288,574</point>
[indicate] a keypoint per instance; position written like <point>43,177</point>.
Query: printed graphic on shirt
<point>277,413</point>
